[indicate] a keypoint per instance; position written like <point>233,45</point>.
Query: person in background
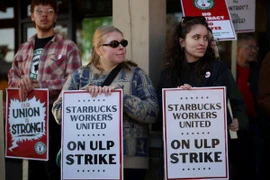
<point>247,76</point>
<point>263,100</point>
<point>44,61</point>
<point>238,159</point>
<point>236,99</point>
<point>140,104</point>
<point>189,59</point>
<point>264,85</point>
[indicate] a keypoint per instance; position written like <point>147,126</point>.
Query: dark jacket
<point>220,76</point>
<point>264,85</point>
<point>253,82</point>
<point>237,103</point>
<point>264,95</point>
<point>254,79</point>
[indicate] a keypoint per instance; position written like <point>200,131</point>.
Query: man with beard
<point>44,61</point>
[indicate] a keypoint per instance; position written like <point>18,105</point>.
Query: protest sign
<point>243,15</point>
<point>195,133</point>
<point>92,134</point>
<point>27,125</point>
<point>216,14</point>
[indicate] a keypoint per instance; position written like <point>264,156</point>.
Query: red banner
<point>27,125</point>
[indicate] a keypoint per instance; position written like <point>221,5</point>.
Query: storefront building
<point>145,24</point>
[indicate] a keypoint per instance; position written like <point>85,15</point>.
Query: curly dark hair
<point>174,57</point>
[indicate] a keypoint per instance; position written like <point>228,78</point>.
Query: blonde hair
<point>98,39</point>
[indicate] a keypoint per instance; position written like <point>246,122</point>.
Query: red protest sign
<point>27,125</point>
<point>216,14</point>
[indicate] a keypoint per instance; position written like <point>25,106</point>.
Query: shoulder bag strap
<point>112,75</point>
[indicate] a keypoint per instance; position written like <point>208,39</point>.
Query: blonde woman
<point>140,104</point>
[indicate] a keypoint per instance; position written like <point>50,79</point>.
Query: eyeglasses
<point>189,18</point>
<point>48,11</point>
<point>255,48</point>
<point>115,44</point>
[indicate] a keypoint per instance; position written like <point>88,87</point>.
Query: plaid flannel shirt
<point>59,58</point>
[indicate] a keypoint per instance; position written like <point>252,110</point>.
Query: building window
<point>7,13</point>
<point>7,44</point>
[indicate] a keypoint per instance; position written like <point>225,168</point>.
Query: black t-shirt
<point>41,43</point>
<point>39,46</point>
<point>189,74</point>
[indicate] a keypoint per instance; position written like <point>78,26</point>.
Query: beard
<point>45,28</point>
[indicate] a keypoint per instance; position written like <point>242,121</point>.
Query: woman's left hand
<point>185,86</point>
<point>108,90</point>
<point>95,90</point>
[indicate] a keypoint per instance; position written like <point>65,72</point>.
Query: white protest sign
<point>195,133</point>
<point>92,136</point>
<point>242,14</point>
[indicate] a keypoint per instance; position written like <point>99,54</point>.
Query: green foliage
<point>89,25</point>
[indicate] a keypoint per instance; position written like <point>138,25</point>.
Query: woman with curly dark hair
<point>190,61</point>
<point>187,54</point>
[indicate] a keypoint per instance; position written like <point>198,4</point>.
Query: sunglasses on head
<point>189,18</point>
<point>115,44</point>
